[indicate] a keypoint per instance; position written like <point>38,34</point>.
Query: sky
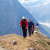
<point>40,9</point>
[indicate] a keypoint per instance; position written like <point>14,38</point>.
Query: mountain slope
<point>37,41</point>
<point>11,12</point>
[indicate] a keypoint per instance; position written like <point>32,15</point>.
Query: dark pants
<point>24,32</point>
<point>30,31</point>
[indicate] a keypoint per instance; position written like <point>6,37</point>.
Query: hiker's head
<point>30,20</point>
<point>23,18</point>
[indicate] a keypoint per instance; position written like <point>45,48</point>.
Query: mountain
<point>37,41</point>
<point>11,12</point>
<point>46,28</point>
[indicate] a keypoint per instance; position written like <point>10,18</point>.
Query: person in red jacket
<point>24,25</point>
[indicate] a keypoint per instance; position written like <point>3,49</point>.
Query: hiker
<point>30,27</point>
<point>37,27</point>
<point>24,25</point>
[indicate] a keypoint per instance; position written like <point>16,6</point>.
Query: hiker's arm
<point>26,24</point>
<point>21,23</point>
<point>32,27</point>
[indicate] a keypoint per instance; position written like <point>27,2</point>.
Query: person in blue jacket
<point>30,27</point>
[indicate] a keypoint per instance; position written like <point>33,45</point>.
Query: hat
<point>23,17</point>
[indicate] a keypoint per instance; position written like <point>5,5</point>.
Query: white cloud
<point>46,2</point>
<point>43,3</point>
<point>22,1</point>
<point>34,6</point>
<point>37,5</point>
<point>45,24</point>
<point>27,1</point>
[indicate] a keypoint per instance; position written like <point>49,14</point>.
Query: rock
<point>14,42</point>
<point>2,48</point>
<point>35,31</point>
<point>32,49</point>
<point>37,41</point>
<point>39,34</point>
<point>40,49</point>
<point>45,49</point>
<point>10,48</point>
<point>48,43</point>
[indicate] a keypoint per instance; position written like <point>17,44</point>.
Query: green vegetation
<point>43,42</point>
<point>0,44</point>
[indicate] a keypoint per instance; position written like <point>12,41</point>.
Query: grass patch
<point>43,43</point>
<point>0,44</point>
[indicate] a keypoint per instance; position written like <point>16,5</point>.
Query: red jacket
<point>21,23</point>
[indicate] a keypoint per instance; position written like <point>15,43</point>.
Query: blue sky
<point>40,9</point>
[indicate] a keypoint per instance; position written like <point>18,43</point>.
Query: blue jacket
<point>30,24</point>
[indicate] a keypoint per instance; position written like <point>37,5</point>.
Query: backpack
<point>24,24</point>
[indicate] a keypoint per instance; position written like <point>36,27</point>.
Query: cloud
<point>37,4</point>
<point>45,24</point>
<point>40,2</point>
<point>46,2</point>
<point>27,1</point>
<point>22,1</point>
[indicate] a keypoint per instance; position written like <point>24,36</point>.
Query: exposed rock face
<point>35,42</point>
